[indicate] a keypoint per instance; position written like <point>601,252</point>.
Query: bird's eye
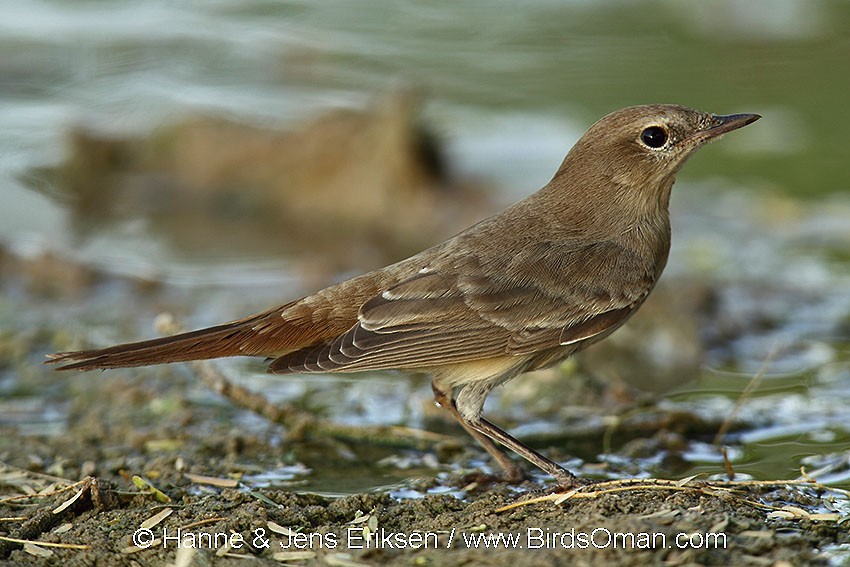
<point>654,137</point>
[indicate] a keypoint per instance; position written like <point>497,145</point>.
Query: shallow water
<point>763,217</point>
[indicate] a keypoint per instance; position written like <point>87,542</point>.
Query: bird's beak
<point>719,125</point>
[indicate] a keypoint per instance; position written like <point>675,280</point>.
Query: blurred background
<point>215,158</point>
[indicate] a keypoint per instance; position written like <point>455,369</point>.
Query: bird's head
<point>640,149</point>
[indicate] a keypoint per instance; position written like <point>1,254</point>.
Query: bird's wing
<point>549,294</point>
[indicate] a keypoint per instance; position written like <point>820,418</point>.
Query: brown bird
<point>518,291</point>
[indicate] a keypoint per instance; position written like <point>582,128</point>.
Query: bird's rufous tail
<point>229,339</point>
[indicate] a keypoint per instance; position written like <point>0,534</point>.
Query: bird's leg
<point>565,478</point>
<point>511,471</point>
<point>467,408</point>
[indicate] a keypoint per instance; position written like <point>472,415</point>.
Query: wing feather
<point>548,297</point>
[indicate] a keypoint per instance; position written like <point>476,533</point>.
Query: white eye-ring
<point>654,137</point>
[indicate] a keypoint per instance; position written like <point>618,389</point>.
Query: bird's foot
<point>505,477</point>
<point>566,485</point>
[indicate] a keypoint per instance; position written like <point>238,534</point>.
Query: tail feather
<point>213,342</point>
<point>302,323</point>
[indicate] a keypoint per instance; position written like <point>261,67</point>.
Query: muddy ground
<point>162,427</point>
<point>168,454</point>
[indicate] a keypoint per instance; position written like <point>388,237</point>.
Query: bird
<point>519,291</point>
